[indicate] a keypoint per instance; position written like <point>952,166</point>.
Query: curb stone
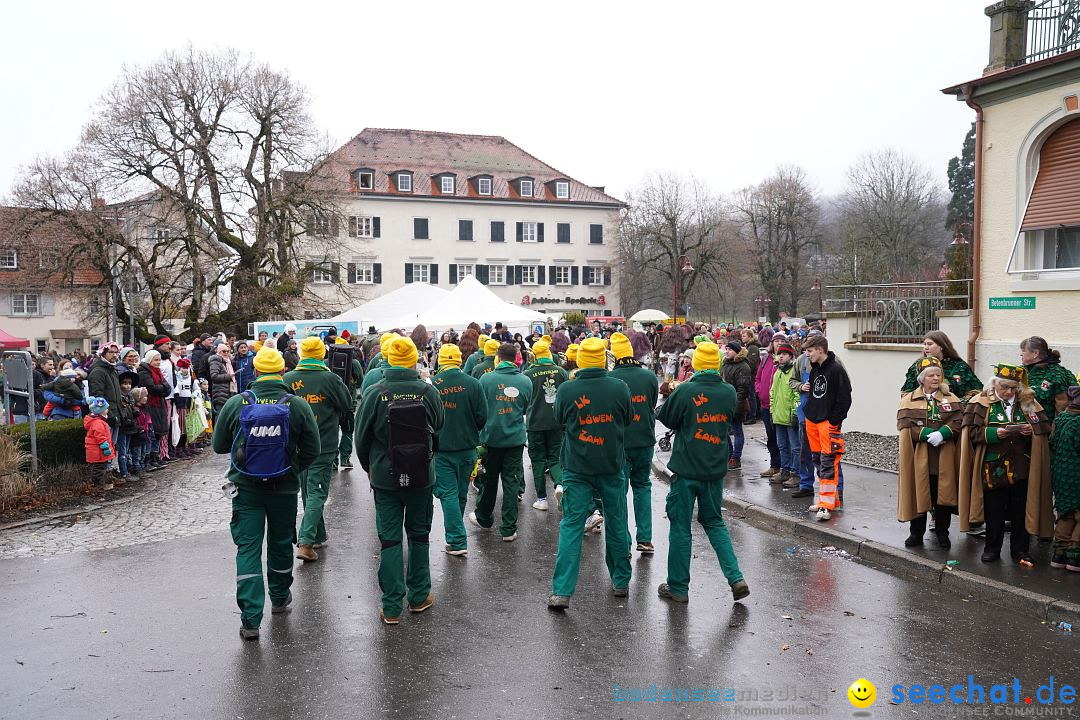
<point>900,562</point>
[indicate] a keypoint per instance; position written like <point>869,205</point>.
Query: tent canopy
<point>384,311</point>
<point>10,342</point>
<point>470,301</point>
<point>649,315</point>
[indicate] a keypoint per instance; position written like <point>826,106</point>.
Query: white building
<point>433,207</point>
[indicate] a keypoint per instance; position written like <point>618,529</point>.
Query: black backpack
<point>339,359</point>
<point>411,442</point>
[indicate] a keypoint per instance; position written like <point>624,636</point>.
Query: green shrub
<point>574,318</point>
<point>58,441</point>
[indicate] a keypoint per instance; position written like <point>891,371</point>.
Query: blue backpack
<point>260,448</point>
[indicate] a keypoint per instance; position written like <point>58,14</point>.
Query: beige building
<point>433,207</point>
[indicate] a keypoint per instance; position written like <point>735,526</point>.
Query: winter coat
<point>916,420</point>
<point>245,370</point>
<point>738,374</point>
<point>158,390</point>
<point>97,433</point>
<point>104,382</point>
<point>292,359</point>
<point>220,387</point>
<point>753,356</point>
<point>465,409</point>
<point>199,357</point>
<point>763,380</point>
<point>783,399</point>
<point>595,409</point>
<point>830,392</point>
<point>699,412</point>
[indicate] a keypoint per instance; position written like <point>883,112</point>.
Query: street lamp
<point>762,301</point>
<point>686,268</point>
<point>820,302</point>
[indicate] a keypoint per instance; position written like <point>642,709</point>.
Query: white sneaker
<point>594,522</point>
<point>510,538</point>
<point>558,497</point>
<point>456,553</point>
<point>474,521</point>
<point>823,514</point>
<point>541,504</point>
<point>814,507</point>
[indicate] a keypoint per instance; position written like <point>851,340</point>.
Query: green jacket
<point>483,367</point>
<point>546,377</point>
<point>470,362</point>
<point>372,377</point>
<point>372,434</point>
<point>465,408</point>
<point>644,388</point>
<point>358,380</point>
<point>376,361</point>
<point>304,444</point>
<point>595,409</point>
<point>699,412</point>
<point>1048,380</point>
<point>783,399</point>
<point>507,393</point>
<point>329,398</point>
<point>958,374</point>
<point>1065,462</point>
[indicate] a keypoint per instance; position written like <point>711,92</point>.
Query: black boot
<point>917,530</point>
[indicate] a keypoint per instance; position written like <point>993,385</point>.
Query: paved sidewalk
<point>867,527</point>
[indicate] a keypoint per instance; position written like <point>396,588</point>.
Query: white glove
<point>935,438</point>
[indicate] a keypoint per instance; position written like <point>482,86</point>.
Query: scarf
<point>158,379</point>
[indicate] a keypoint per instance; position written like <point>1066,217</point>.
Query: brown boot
<point>770,472</point>
<point>306,552</point>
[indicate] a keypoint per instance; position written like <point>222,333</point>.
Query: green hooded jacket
<point>644,389</point>
<point>329,398</point>
<point>595,409</point>
<point>304,444</point>
<point>372,377</point>
<point>699,412</point>
<point>483,367</point>
<point>783,399</point>
<point>546,377</point>
<point>507,393</point>
<point>465,408</point>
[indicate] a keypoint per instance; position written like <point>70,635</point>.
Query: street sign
<point>1024,302</point>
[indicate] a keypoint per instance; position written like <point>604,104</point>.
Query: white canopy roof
<point>469,301</point>
<point>392,309</point>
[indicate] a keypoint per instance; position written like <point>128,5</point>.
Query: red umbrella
<point>10,342</point>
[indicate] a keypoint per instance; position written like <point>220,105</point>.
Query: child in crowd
<point>140,441</point>
<point>182,403</point>
<point>129,427</point>
<point>98,444</point>
<point>64,396</point>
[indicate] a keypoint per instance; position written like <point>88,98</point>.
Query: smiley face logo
<point>862,693</point>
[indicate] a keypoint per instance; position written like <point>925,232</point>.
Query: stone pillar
<point>1008,33</point>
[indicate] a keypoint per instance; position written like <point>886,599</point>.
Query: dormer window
<point>404,182</point>
<point>446,184</point>
<point>364,179</point>
<point>483,185</point>
<point>562,189</point>
<point>525,187</point>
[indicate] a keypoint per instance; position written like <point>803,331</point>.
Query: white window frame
<point>365,273</point>
<point>1029,250</point>
<point>528,232</point>
<point>446,184</point>
<point>364,226</point>
<point>421,273</point>
<point>464,269</point>
<point>360,180</point>
<point>404,182</point>
<point>562,190</point>
<point>526,183</point>
<point>28,309</point>
<point>530,275</point>
<point>322,274</point>
<point>42,345</point>
<point>500,271</point>
<point>480,182</point>
<point>596,275</point>
<point>9,259</point>
<point>561,270</point>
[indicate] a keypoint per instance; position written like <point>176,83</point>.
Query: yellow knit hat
<point>402,352</point>
<point>546,338</point>
<point>341,341</point>
<point>592,353</point>
<point>706,356</point>
<point>571,351</point>
<point>481,341</point>
<point>384,343</point>
<point>542,349</point>
<point>620,346</point>
<point>268,360</point>
<point>257,346</point>
<point>491,347</point>
<point>312,348</point>
<point>449,355</point>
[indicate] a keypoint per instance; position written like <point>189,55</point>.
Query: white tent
<point>471,301</point>
<point>394,308</point>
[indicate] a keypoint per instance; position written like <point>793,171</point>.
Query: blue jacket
<point>62,406</point>
<point>245,370</point>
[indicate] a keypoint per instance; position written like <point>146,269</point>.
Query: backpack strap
<point>284,399</point>
<point>249,397</point>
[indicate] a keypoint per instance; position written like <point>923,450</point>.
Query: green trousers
<point>452,471</point>
<point>505,463</point>
<point>411,510</point>
<point>578,504</point>
<point>709,496</point>
<point>345,447</point>
<point>638,470</point>
<point>254,515</point>
<point>544,449</point>
<point>314,489</point>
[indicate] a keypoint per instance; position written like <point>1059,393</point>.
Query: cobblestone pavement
<point>187,501</point>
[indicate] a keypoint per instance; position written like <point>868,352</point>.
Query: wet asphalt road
<point>151,631</point>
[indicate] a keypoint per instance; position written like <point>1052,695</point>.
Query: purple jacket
<point>763,381</point>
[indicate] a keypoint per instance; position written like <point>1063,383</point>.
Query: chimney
<point>1008,34</point>
<point>98,203</point>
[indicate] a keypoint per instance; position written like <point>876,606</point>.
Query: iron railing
<point>900,312</point>
<point>1053,28</point>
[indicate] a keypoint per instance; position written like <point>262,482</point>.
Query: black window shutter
<point>551,275</point>
<point>586,275</point>
<point>333,226</point>
<point>540,275</point>
<point>465,228</point>
<point>434,273</point>
<point>420,228</point>
<point>376,272</point>
<point>563,232</point>
<point>375,227</point>
<point>408,272</point>
<point>607,276</point>
<point>539,232</point>
<point>352,226</point>
<point>508,274</point>
<point>335,272</point>
<point>498,231</point>
<point>574,275</point>
<point>351,276</point>
<point>309,271</point>
<point>453,274</point>
<point>482,274</point>
<point>309,224</point>
<point>517,274</point>
<point>521,232</point>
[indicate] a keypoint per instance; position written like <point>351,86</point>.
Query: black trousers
<point>1006,503</point>
<point>942,514</point>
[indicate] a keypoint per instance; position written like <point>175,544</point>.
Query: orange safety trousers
<point>827,447</point>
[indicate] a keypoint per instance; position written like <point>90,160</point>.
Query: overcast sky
<point>604,91</point>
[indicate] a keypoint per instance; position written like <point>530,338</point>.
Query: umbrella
<point>648,316</point>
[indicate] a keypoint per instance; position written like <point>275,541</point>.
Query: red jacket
<point>97,432</point>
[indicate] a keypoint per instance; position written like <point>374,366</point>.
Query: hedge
<point>59,442</point>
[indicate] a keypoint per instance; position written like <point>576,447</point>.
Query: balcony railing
<point>897,313</point>
<point>1053,28</point>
